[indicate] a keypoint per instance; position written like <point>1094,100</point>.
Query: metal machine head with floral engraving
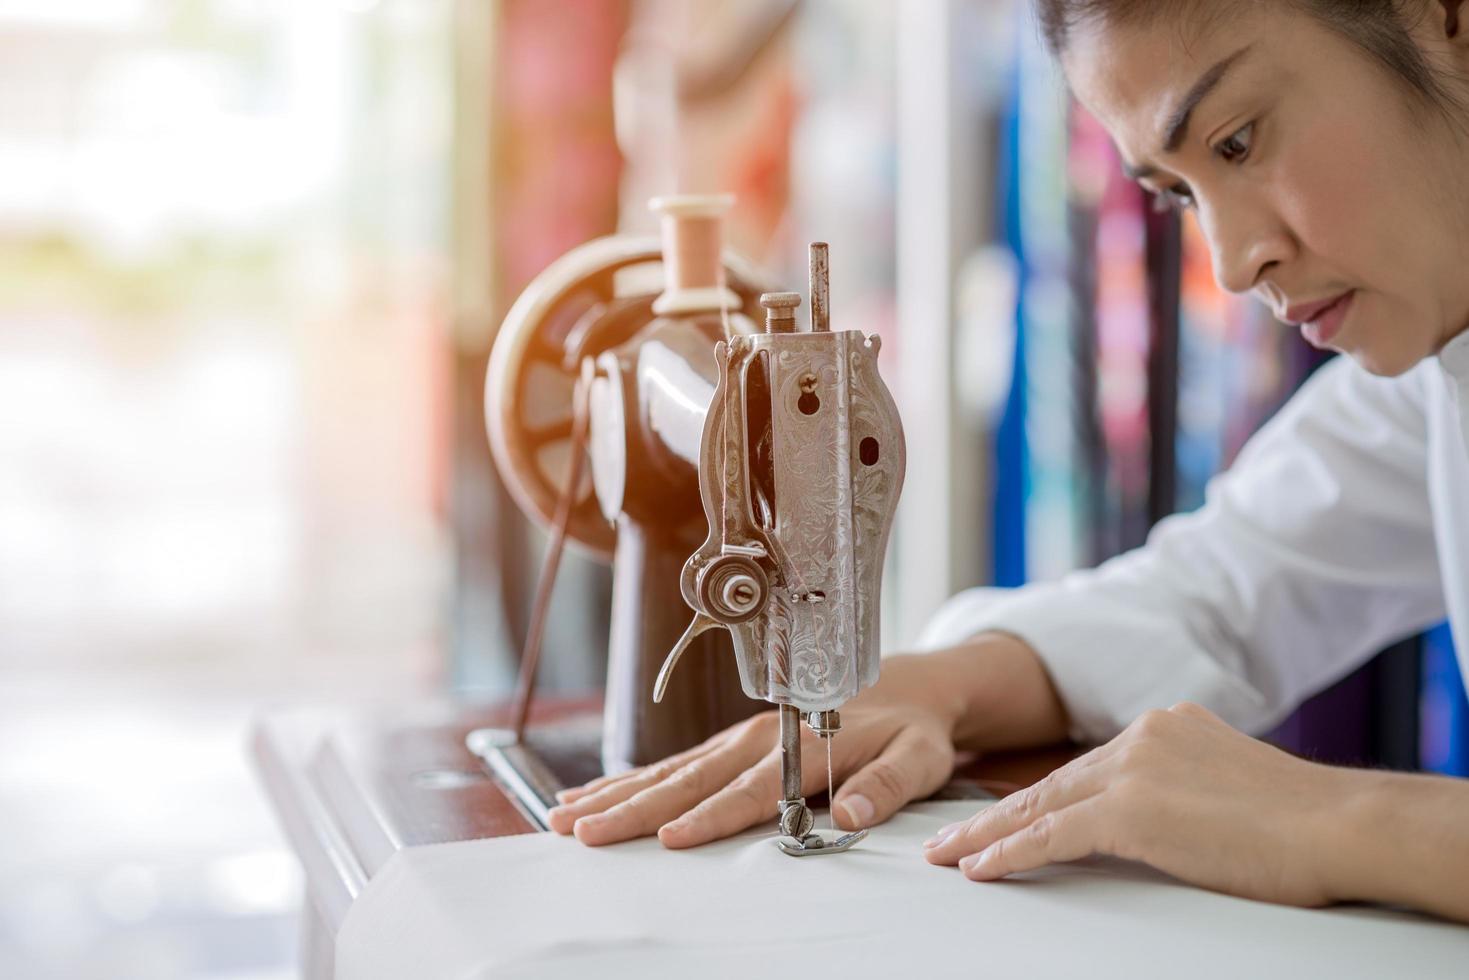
<point>801,465</point>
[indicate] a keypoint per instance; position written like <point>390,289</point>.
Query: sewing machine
<point>741,467</point>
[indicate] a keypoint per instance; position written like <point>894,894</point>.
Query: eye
<point>1235,147</point>
<point>1176,199</point>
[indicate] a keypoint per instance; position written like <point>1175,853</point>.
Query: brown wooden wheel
<point>590,300</point>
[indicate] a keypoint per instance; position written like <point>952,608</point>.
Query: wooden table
<point>353,786</point>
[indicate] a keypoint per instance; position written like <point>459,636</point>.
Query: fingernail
<point>859,809</point>
<point>939,840</point>
<point>942,835</point>
<point>974,861</point>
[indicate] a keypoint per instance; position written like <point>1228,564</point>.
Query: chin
<point>1386,342</point>
<point>1385,363</point>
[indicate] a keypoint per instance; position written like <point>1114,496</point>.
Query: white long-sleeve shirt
<point>1342,527</point>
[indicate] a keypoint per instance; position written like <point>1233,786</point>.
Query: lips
<point>1321,322</point>
<point>1309,312</point>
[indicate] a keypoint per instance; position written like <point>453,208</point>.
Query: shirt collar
<point>1454,358</point>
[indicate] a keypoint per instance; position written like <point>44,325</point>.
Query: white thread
<point>831,797</point>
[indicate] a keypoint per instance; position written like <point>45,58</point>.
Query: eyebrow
<point>1177,129</point>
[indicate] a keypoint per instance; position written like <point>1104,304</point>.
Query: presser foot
<point>799,838</point>
<point>814,843</point>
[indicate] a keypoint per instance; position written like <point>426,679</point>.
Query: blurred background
<point>253,255</point>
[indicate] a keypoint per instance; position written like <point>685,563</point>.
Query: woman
<point>1325,147</point>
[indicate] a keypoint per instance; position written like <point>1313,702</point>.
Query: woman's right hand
<point>896,744</point>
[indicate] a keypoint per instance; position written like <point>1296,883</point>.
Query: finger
<point>1074,782</point>
<point>562,818</point>
<point>647,809</point>
<point>622,787</point>
<point>669,766</point>
<point>749,799</point>
<point>911,765</point>
<point>1068,834</point>
<point>573,793</point>
<point>672,764</point>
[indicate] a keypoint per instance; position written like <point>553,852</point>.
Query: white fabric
<point>545,906</point>
<point>1342,527</point>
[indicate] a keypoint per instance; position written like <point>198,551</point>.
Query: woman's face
<point>1315,179</point>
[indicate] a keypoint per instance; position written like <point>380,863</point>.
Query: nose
<point>1247,240</point>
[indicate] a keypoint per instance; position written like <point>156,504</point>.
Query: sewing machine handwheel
<point>590,300</point>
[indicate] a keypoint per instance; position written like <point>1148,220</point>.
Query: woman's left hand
<point>1179,790</point>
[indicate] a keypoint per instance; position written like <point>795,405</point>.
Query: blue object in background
<point>1443,709</point>
<point>1011,466</point>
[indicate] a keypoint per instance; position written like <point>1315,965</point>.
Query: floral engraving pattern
<point>816,645</point>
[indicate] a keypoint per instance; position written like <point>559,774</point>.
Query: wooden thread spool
<point>693,249</point>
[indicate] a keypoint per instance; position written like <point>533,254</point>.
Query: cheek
<point>1335,194</point>
<point>1361,225</point>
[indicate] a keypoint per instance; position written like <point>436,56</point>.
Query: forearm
<point>993,691</point>
<point>1404,841</point>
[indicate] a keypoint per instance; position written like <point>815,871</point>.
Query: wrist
<point>1363,855</point>
<point>1012,702</point>
<point>1340,834</point>
<point>992,692</point>
<point>923,681</point>
<point>1400,841</point>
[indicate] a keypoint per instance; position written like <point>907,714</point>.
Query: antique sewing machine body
<point>741,468</point>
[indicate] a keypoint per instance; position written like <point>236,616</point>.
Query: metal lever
<point>734,588</point>
<point>701,624</point>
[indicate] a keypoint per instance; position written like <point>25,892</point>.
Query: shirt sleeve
<point>1313,552</point>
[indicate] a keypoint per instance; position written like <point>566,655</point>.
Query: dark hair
<point>1378,27</point>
